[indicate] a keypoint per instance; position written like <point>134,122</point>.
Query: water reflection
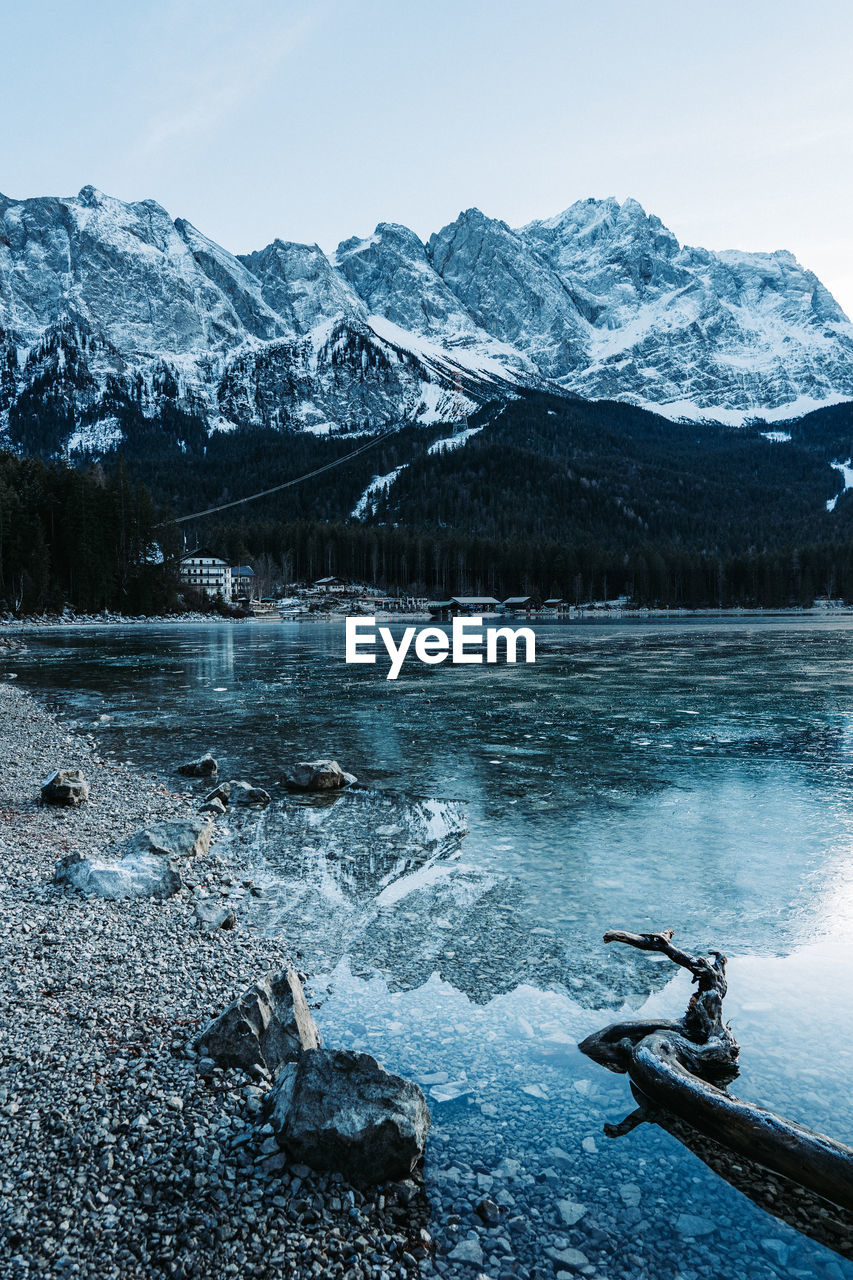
<point>697,777</point>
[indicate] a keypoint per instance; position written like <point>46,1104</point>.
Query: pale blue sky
<point>313,121</point>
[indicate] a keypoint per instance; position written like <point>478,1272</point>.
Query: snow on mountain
<point>377,487</point>
<point>846,469</point>
<point>391,272</point>
<point>126,272</point>
<point>449,443</point>
<point>300,284</point>
<point>105,305</point>
<point>694,333</point>
<point>511,291</point>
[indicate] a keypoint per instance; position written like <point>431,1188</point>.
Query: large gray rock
<point>335,1109</point>
<point>257,1031</point>
<point>212,916</point>
<point>243,793</point>
<point>143,865</point>
<point>317,775</point>
<point>182,838</point>
<point>204,767</point>
<point>137,875</point>
<point>66,787</point>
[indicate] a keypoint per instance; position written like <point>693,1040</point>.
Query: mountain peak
<point>600,301</point>
<point>90,195</point>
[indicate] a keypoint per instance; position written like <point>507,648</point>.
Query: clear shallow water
<point>697,775</point>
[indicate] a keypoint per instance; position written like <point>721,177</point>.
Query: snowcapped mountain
<point>112,313</point>
<point>683,330</point>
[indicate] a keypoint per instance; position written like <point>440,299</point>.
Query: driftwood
<point>681,1065</point>
<point>811,1214</point>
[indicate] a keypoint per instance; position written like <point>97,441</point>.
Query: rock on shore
<point>65,786</point>
<point>138,875</point>
<point>257,1031</point>
<point>204,767</point>
<point>317,775</point>
<point>338,1109</point>
<point>143,866</point>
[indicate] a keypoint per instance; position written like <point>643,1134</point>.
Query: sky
<point>314,120</point>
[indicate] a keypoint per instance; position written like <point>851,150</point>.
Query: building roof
<point>322,582</point>
<point>555,600</point>
<point>517,599</point>
<point>242,571</point>
<point>474,600</point>
<point>202,553</point>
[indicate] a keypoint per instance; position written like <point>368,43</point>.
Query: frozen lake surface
<point>694,775</point>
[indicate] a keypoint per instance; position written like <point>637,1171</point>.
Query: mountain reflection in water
<point>697,776</point>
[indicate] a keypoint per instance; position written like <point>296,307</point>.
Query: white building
<point>206,573</point>
<point>243,581</point>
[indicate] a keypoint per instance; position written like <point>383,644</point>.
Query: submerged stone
<point>204,767</point>
<point>243,793</point>
<point>317,775</point>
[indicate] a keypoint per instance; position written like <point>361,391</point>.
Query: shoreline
<point>192,1190</point>
<point>119,1157</point>
<point>9,628</point>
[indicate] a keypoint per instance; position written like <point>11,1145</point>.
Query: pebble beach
<point>122,1153</point>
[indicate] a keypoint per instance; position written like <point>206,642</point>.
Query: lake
<point>696,775</point>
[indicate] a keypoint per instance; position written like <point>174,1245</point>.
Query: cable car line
<point>265,493</point>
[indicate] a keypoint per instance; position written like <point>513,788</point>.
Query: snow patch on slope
<point>95,437</point>
<point>478,362</point>
<point>846,470</point>
<point>454,441</point>
<point>368,501</point>
<point>687,411</point>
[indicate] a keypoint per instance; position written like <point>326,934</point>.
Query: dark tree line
<point>444,562</point>
<point>552,497</point>
<point>85,539</point>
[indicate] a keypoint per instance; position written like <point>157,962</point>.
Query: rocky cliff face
<point>105,305</point>
<point>732,334</point>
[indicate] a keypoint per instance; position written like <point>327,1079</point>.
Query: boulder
<point>143,865</point>
<point>204,767</point>
<point>258,1031</point>
<point>212,916</point>
<point>244,793</point>
<point>214,807</point>
<point>182,838</point>
<point>335,1109</point>
<point>317,775</point>
<point>222,794</point>
<point>136,875</point>
<point>65,786</point>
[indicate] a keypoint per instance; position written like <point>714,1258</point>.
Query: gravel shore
<point>121,1155</point>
